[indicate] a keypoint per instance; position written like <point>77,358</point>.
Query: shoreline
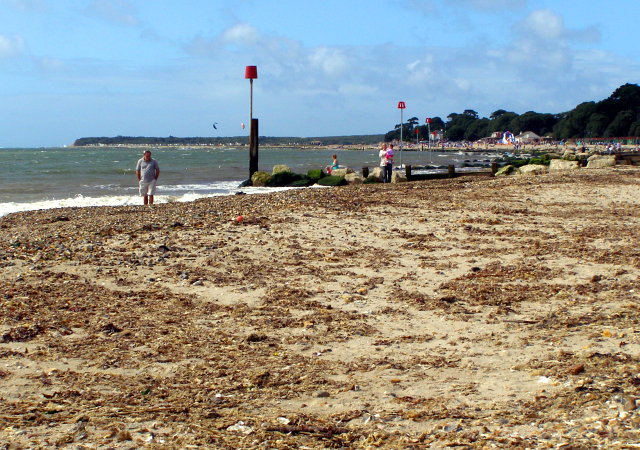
<point>407,146</point>
<point>234,187</point>
<point>474,312</point>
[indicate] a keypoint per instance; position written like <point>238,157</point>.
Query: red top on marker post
<point>251,72</point>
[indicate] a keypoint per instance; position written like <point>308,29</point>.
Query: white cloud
<point>241,34</point>
<point>290,64</point>
<point>413,65</point>
<point>529,52</point>
<point>462,84</point>
<point>544,24</point>
<point>10,47</point>
<point>421,71</point>
<point>332,61</point>
<point>541,46</point>
<point>540,69</point>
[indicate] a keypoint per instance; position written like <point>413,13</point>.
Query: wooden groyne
<point>449,173</point>
<point>629,158</point>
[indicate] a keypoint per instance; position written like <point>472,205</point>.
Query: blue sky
<point>76,68</point>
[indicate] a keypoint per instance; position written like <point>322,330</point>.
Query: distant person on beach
<point>383,163</point>
<point>334,165</point>
<point>389,158</point>
<point>147,171</point>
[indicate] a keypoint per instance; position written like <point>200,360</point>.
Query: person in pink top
<point>389,164</point>
<point>383,163</point>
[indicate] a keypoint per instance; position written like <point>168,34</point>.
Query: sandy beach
<point>475,312</point>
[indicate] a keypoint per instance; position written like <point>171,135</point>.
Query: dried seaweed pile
<point>460,312</point>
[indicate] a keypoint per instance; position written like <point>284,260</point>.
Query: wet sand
<point>472,313</point>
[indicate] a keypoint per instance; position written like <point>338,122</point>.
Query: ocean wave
<point>80,201</point>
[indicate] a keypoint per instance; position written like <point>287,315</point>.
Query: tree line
<point>617,116</point>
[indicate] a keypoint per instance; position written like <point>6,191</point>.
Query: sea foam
<point>80,201</point>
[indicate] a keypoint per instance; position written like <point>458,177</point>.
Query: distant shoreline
<point>450,147</point>
<point>236,145</point>
<point>333,143</point>
<point>229,141</point>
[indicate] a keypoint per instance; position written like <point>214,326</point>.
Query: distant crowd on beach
<point>604,147</point>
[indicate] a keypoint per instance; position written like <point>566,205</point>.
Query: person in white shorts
<point>147,171</point>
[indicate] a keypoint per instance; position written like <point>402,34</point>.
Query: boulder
<point>561,164</point>
<point>544,160</point>
<point>315,174</point>
<point>342,171</point>
<point>507,170</point>
<point>533,169</point>
<point>280,168</point>
<point>376,174</point>
<point>331,180</point>
<point>581,156</point>
<point>371,180</point>
<point>284,179</point>
<point>353,178</point>
<point>302,182</point>
<point>398,176</point>
<point>260,178</point>
<point>601,161</point>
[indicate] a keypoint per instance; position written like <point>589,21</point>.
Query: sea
<point>44,178</point>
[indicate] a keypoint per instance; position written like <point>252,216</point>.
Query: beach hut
<point>528,137</point>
